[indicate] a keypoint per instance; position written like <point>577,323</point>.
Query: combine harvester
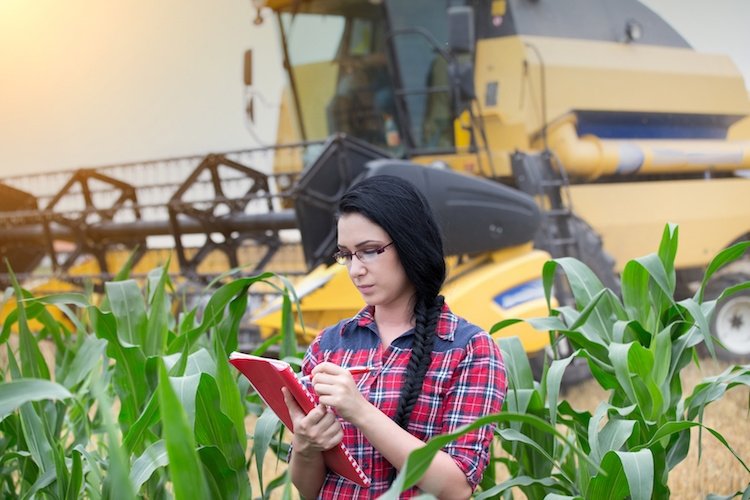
<point>535,128</point>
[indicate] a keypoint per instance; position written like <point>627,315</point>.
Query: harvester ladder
<point>535,175</point>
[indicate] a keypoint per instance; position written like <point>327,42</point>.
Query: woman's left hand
<point>336,388</point>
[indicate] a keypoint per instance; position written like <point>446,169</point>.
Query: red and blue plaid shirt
<point>465,380</point>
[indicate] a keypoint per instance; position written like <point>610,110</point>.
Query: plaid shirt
<point>465,380</point>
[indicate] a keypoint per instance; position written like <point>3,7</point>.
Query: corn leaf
<point>73,491</point>
<point>130,378</point>
<point>213,427</point>
<point>420,459</point>
<point>186,473</point>
<point>152,458</point>
<point>117,485</point>
<point>223,481</point>
<point>624,474</point>
<point>229,395</point>
<point>89,355</point>
<point>720,260</point>
<point>16,393</point>
<point>126,304</point>
<point>154,334</point>
<point>265,428</point>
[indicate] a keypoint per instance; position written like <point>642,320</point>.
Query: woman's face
<point>381,279</point>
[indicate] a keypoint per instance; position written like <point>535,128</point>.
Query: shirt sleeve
<point>478,389</point>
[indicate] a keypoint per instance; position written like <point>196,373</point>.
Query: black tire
<point>730,321</point>
<point>591,252</point>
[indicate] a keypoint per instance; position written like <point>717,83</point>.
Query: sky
<point>87,83</point>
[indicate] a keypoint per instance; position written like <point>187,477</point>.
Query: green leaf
<point>213,427</point>
<point>668,251</point>
<point>721,259</point>
<point>265,428</point>
<point>33,364</point>
<point>117,483</point>
<point>140,429</point>
<point>634,287</point>
<point>185,390</point>
<point>16,393</point>
<point>226,331</point>
<point>215,309</point>
<point>223,481</point>
<point>624,473</point>
<point>154,457</point>
<point>76,477</point>
<point>36,438</point>
<point>231,400</point>
<point>516,363</point>
<point>89,355</point>
<point>713,388</point>
<point>419,460</point>
<point>126,303</point>
<point>585,286</point>
<point>554,382</point>
<point>518,481</point>
<point>154,334</point>
<point>675,427</point>
<point>701,323</point>
<point>184,465</point>
<point>130,378</point>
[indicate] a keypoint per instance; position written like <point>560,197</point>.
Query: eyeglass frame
<point>344,257</point>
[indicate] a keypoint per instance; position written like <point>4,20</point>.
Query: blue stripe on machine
<point>525,292</point>
<point>632,125</point>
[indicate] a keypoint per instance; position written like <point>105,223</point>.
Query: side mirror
<point>461,37</point>
<point>248,67</point>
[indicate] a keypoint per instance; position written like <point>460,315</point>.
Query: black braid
<point>421,355</point>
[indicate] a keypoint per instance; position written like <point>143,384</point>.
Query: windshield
<point>371,69</point>
<point>336,51</point>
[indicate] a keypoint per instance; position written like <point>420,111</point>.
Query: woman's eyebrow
<point>360,244</point>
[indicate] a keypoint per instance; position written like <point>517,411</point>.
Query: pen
<point>354,370</point>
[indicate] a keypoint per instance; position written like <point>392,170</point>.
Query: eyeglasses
<point>365,256</point>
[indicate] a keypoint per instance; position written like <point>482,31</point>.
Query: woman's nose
<point>356,268</point>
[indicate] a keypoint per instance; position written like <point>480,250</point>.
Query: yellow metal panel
<point>316,84</point>
<point>472,294</point>
<point>740,130</point>
<point>631,216</point>
<point>591,75</point>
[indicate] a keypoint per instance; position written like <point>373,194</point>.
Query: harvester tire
<point>591,252</point>
<point>730,321</point>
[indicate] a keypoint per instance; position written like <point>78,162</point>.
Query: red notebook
<point>268,376</point>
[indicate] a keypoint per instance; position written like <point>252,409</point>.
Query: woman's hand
<point>336,388</point>
<point>315,432</point>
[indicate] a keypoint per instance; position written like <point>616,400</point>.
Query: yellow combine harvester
<point>597,109</point>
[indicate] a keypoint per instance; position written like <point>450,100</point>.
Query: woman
<point>431,371</point>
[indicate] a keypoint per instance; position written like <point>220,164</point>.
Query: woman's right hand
<point>315,432</point>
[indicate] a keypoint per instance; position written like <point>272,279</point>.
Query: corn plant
<point>139,402</point>
<point>636,347</point>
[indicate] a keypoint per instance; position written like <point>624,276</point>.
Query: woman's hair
<point>400,209</point>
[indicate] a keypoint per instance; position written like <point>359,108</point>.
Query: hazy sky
<point>91,82</point>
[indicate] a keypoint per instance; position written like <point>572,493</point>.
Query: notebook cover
<point>268,376</point>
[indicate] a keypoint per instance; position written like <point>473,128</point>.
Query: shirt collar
<point>446,326</point>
